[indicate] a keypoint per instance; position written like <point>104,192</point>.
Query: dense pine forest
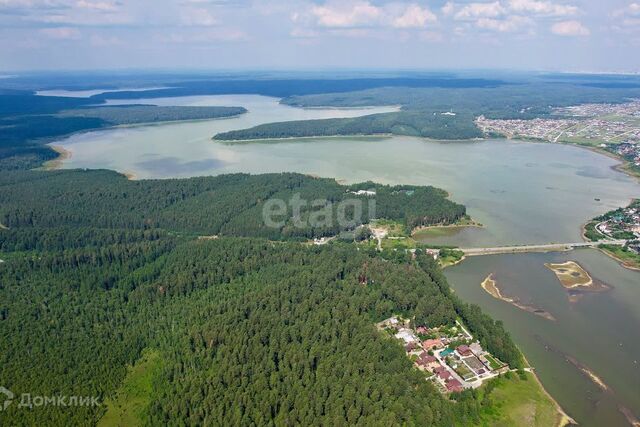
<point>426,124</point>
<point>230,205</point>
<point>174,295</point>
<point>100,273</point>
<point>247,331</point>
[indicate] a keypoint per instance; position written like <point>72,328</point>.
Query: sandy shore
<point>130,175</point>
<point>491,287</point>
<point>565,419</point>
<point>63,154</point>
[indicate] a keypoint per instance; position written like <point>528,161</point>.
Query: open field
<point>134,395</point>
<point>521,402</point>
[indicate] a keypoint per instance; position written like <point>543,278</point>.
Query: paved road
<point>552,247</point>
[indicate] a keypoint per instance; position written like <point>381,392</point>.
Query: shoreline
<point>64,154</point>
<point>354,135</point>
<point>565,419</point>
<point>471,224</point>
<point>620,261</point>
<point>55,164</point>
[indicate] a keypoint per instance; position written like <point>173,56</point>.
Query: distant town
<point>613,127</point>
<point>449,356</point>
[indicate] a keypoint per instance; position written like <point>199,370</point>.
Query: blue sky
<point>567,35</point>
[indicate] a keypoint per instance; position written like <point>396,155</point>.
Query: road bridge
<point>551,247</point>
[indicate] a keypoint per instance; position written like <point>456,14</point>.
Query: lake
<point>521,192</point>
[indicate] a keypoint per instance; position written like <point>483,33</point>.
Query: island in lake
<point>576,280</point>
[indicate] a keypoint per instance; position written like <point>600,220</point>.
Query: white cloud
<point>448,8</point>
<point>414,17</point>
<point>510,24</point>
<point>480,10</point>
<point>341,15</point>
<point>632,10</point>
<point>197,17</point>
<point>96,5</point>
<point>570,29</point>
<point>203,36</point>
<point>544,8</point>
<point>61,33</point>
<point>345,17</point>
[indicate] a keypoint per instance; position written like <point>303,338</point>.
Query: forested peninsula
<point>426,124</point>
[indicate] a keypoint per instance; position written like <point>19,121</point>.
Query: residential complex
<point>449,356</point>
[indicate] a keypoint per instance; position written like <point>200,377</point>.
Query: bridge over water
<point>551,247</point>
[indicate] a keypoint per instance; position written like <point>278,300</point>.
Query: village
<point>622,223</point>
<point>615,127</point>
<point>449,356</point>
<point>629,151</point>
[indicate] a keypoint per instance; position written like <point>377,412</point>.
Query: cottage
<point>422,330</point>
<point>464,350</point>
<point>444,375</point>
<point>407,336</point>
<point>476,348</point>
<point>432,344</point>
<point>426,361</point>
<point>454,386</point>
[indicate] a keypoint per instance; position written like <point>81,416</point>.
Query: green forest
<point>228,205</point>
<point>247,331</point>
<point>174,303</point>
<point>136,114</point>
<point>426,124</point>
<point>424,109</point>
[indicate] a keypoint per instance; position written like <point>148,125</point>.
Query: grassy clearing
<point>449,257</point>
<point>518,401</point>
<point>394,228</point>
<point>493,362</point>
<point>133,397</point>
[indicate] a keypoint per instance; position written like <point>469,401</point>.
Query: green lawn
<point>134,395</point>
<point>518,402</point>
<point>493,362</point>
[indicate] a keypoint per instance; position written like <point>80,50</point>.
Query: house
<point>407,336</point>
<point>444,375</point>
<point>464,350</point>
<point>440,369</point>
<point>432,344</point>
<point>426,361</point>
<point>410,347</point>
<point>454,386</point>
<point>422,330</point>
<point>476,348</point>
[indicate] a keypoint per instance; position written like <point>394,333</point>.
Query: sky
<point>559,35</point>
